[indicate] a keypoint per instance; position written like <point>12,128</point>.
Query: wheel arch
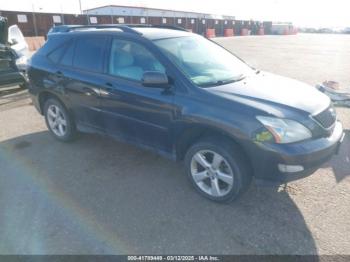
<point>44,96</point>
<point>192,134</point>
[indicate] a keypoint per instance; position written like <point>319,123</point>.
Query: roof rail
<point>69,28</point>
<point>173,27</point>
<point>127,28</point>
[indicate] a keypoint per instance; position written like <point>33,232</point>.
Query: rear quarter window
<point>53,42</point>
<point>67,58</point>
<point>55,55</point>
<point>89,53</point>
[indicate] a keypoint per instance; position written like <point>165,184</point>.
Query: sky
<point>313,13</point>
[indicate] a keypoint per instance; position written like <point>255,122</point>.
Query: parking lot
<point>98,196</point>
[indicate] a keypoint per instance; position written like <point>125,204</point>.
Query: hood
<point>273,89</point>
<point>3,30</point>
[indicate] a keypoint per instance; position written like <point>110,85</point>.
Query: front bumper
<point>310,155</point>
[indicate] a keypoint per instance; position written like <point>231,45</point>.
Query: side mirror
<point>155,79</point>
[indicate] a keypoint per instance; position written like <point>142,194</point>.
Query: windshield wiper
<point>223,82</point>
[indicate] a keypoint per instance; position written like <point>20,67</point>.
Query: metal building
<point>209,25</point>
<point>117,10</point>
<point>196,22</point>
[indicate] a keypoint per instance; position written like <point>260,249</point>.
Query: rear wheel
<point>59,121</point>
<point>217,169</point>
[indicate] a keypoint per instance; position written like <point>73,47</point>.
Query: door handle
<point>89,91</point>
<point>106,89</point>
<point>109,86</point>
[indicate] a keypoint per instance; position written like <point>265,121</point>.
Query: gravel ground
<point>97,196</point>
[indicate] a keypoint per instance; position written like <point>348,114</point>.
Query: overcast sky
<point>302,12</point>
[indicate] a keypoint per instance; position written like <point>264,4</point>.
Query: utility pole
<point>81,11</point>
<point>62,15</point>
<point>112,22</point>
<point>34,21</point>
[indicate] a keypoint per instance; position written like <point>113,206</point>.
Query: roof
<point>152,33</point>
<point>160,33</point>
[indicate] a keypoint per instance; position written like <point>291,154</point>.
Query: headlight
<point>285,130</point>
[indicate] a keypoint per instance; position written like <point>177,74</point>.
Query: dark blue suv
<point>186,98</point>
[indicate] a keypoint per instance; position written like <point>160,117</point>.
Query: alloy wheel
<point>212,173</point>
<point>57,120</point>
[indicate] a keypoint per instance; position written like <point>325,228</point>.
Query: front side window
<point>89,53</point>
<point>203,62</point>
<point>130,60</point>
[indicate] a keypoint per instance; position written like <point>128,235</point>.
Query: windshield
<point>205,63</point>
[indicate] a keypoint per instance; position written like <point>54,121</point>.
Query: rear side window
<point>56,54</point>
<point>67,58</point>
<point>89,52</point>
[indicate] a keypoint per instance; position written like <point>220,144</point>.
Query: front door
<point>137,113</point>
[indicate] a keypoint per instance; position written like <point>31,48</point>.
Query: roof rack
<point>173,27</point>
<point>69,28</point>
<point>127,28</point>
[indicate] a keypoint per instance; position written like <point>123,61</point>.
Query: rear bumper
<point>36,103</point>
<point>309,155</point>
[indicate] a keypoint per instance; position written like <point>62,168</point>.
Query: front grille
<point>326,118</point>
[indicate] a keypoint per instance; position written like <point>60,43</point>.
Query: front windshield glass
<point>204,62</point>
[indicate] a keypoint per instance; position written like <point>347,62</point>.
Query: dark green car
<point>10,75</point>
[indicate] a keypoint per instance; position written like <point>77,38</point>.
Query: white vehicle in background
<point>339,97</point>
<point>20,46</point>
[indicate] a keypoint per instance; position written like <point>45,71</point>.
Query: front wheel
<point>217,169</point>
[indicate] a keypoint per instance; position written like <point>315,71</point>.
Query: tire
<point>59,121</point>
<point>225,179</point>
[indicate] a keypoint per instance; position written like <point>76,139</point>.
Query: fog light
<point>289,168</point>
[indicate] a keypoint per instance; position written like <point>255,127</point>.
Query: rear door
<point>78,76</point>
<point>82,67</point>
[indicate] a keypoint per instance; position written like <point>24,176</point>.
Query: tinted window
<point>56,54</point>
<point>89,53</point>
<point>67,58</point>
<point>131,60</point>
